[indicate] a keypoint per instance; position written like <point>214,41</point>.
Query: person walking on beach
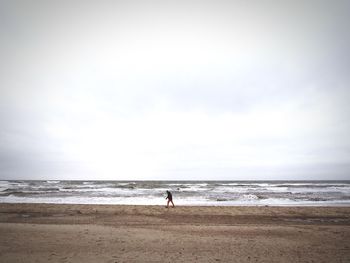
<point>170,199</point>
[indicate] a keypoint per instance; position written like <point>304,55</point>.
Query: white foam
<point>53,182</point>
<point>185,193</point>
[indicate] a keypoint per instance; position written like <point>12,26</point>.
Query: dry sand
<point>101,233</point>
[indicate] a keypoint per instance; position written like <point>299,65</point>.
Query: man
<point>170,199</point>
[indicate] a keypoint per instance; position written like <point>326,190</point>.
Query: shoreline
<point>135,233</point>
<point>338,205</point>
<point>42,213</point>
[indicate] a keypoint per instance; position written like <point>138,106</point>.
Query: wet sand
<point>113,233</point>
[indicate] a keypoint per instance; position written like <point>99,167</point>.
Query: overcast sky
<point>129,90</point>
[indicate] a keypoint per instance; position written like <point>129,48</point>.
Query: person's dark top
<point>169,197</point>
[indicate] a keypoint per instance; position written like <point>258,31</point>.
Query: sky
<point>175,90</point>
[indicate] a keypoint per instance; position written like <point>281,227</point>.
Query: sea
<point>186,193</point>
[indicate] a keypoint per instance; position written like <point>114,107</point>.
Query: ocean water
<point>217,193</point>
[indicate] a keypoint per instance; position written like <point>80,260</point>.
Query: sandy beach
<point>111,233</point>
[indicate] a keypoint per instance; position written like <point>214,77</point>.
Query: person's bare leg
<point>172,203</point>
<point>167,205</point>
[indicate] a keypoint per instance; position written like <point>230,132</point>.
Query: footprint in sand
<point>64,259</point>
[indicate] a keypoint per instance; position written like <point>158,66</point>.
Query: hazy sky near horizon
<point>130,90</point>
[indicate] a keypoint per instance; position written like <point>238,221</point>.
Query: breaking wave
<point>220,193</point>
